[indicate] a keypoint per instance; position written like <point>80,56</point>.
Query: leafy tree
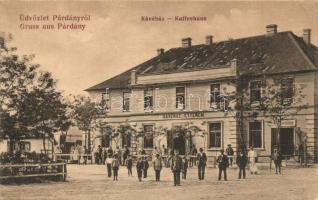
<point>273,103</point>
<point>85,115</point>
<point>43,110</point>
<point>30,103</point>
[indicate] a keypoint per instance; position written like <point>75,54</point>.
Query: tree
<point>17,75</point>
<point>43,110</point>
<point>30,104</point>
<point>276,103</point>
<point>85,114</point>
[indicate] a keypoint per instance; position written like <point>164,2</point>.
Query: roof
<point>283,52</point>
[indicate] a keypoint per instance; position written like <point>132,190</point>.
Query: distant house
<point>184,87</point>
<point>26,145</point>
<point>67,141</point>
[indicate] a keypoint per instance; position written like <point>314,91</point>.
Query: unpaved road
<point>89,182</point>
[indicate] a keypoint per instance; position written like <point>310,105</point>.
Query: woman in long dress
<point>252,156</point>
<point>75,155</point>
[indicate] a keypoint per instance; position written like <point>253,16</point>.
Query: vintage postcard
<point>159,100</point>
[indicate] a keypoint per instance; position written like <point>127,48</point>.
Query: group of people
<point>78,154</point>
<point>179,164</point>
<point>102,154</point>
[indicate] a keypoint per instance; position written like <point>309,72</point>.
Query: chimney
<point>233,65</point>
<point>186,42</point>
<point>271,29</point>
<point>160,51</point>
<point>307,36</point>
<point>133,77</point>
<point>209,40</point>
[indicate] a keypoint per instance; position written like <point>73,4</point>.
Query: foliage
<point>272,102</point>
<point>85,114</point>
<point>30,104</point>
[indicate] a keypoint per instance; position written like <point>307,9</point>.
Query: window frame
<point>283,102</point>
<point>25,143</point>
<point>129,102</point>
<point>262,134</point>
<point>256,103</point>
<point>184,101</point>
<point>123,139</point>
<point>218,104</point>
<point>151,107</point>
<point>221,136</point>
<point>106,97</point>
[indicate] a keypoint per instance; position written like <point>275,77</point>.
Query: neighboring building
<point>26,145</point>
<point>68,141</point>
<point>185,87</point>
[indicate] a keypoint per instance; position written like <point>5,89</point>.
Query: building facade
<point>189,96</point>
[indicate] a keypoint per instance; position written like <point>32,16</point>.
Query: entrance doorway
<point>179,144</point>
<point>285,142</point>
<point>176,139</point>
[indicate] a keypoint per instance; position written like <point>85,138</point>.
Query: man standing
<point>277,160</point>
<point>99,154</point>
<point>110,151</point>
<point>145,166</point>
<point>115,166</point>
<point>230,153</point>
<point>109,162</point>
<point>201,164</point>
<point>139,167</point>
<point>118,152</point>
<point>125,155</point>
<point>157,165</point>
<point>241,162</point>
<point>223,164</point>
<point>176,165</point>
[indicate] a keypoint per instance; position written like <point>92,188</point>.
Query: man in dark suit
<point>223,163</point>
<point>241,162</point>
<point>201,163</point>
<point>176,166</point>
<point>230,153</point>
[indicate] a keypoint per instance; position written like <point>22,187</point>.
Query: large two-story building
<point>186,88</point>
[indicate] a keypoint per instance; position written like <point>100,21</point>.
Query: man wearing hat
<point>202,159</point>
<point>223,163</point>
<point>230,153</point>
<point>176,165</point>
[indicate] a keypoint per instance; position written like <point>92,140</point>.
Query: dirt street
<point>90,182</point>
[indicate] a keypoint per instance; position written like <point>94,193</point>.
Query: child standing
<point>277,160</point>
<point>115,166</point>
<point>129,165</point>
<point>145,166</point>
<point>108,162</point>
<point>139,167</point>
<point>157,165</point>
<point>184,167</point>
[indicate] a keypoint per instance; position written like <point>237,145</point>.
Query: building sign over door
<point>183,115</point>
<point>288,123</point>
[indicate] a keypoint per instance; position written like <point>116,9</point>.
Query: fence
<point>33,170</point>
<point>72,158</point>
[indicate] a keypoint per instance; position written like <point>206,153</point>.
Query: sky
<point>115,39</point>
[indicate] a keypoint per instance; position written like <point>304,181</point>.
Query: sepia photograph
<point>161,100</point>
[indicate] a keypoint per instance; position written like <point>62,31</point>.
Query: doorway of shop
<point>179,144</point>
<point>285,141</point>
<point>176,140</point>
